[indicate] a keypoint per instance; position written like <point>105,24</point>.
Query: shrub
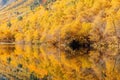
<point>19,18</point>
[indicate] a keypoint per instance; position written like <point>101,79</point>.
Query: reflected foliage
<point>50,63</point>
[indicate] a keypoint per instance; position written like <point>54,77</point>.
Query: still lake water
<point>27,62</point>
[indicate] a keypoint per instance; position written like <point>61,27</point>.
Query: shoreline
<point>15,43</point>
<point>5,43</point>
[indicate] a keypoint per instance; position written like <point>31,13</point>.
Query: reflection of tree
<point>105,65</point>
<point>43,62</point>
<point>82,51</point>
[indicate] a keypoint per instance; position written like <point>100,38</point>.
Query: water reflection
<point>27,62</point>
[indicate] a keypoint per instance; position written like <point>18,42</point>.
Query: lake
<point>46,62</point>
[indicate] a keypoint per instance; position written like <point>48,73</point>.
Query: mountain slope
<point>13,8</point>
<point>4,3</point>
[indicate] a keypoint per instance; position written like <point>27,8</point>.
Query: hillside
<point>13,12</point>
<point>4,3</point>
<point>11,9</point>
<point>69,17</point>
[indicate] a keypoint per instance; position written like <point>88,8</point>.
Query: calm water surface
<point>19,62</point>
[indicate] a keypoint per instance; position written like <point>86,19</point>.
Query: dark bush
<point>20,65</point>
<point>33,77</point>
<point>9,24</point>
<point>20,18</point>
